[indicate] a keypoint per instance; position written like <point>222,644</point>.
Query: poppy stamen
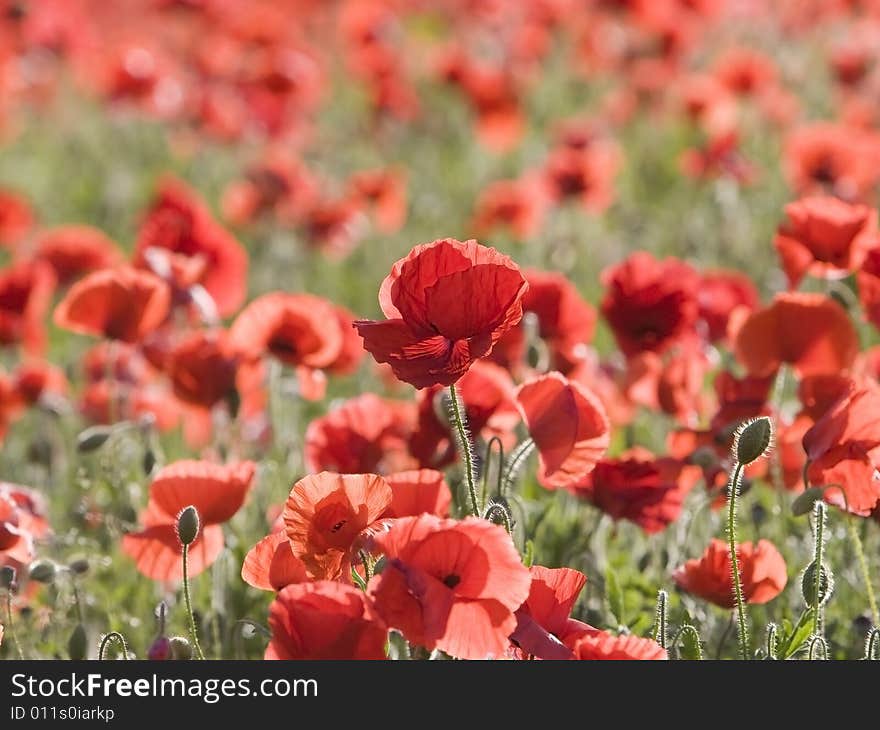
<point>451,580</point>
<point>338,526</point>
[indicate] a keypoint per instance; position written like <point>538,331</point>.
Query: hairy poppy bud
<point>149,461</point>
<point>803,503</point>
<point>42,571</point>
<point>753,440</point>
<point>188,525</point>
<point>93,438</point>
<point>7,576</point>
<point>181,649</point>
<point>808,585</point>
<point>77,644</point>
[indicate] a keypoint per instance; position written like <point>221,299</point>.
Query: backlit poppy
<point>543,623</point>
<point>826,237</point>
<point>328,516</point>
<point>568,425</point>
<point>450,585</point>
<point>324,620</point>
<point>602,645</point>
<point>418,492</point>
<point>811,332</point>
<point>202,368</point>
<point>120,304</point>
<point>25,295</point>
<point>270,565</point>
<point>762,573</point>
<point>720,293</point>
<point>447,304</point>
<point>216,491</point>
<point>72,251</point>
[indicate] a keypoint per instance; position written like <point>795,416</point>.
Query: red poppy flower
<point>824,236</point>
<point>720,293</point>
<point>334,227</point>
<point>25,295</point>
<point>384,193</point>
<point>543,626</point>
<point>300,330</point>
<point>843,448</point>
<point>366,434</point>
<point>514,205</point>
<point>328,516</point>
<point>597,644</point>
<point>35,379</point>
<point>278,185</point>
<point>650,304</point>
<point>22,520</point>
<point>745,71</point>
<point>450,585</point>
<point>417,492</point>
<point>762,573</point>
<point>811,332</point>
<point>202,368</point>
<point>828,158</point>
<point>583,175</point>
<point>72,251</point>
<point>639,487</point>
<point>120,304</point>
<point>868,281</point>
<point>487,393</point>
<point>352,351</point>
<point>565,323</point>
<point>447,304</point>
<point>568,425</point>
<point>16,218</point>
<point>718,156</point>
<point>217,492</point>
<point>270,565</point>
<point>179,222</point>
<point>324,620</point>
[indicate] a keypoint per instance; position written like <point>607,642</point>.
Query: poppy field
<point>439,329</point>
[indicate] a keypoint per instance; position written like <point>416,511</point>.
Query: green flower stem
<point>817,561</point>
<point>742,626</point>
<point>464,442</point>
<point>863,567</point>
<point>9,626</point>
<point>112,636</point>
<point>189,611</point>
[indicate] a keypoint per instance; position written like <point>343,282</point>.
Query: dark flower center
<point>338,526</point>
<point>451,580</point>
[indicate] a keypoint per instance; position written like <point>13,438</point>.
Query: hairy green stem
<point>660,619</point>
<point>817,562</point>
<point>499,510</point>
<point>464,441</point>
<point>742,626</point>
<point>189,611</point>
<point>12,635</point>
<point>863,568</point>
<point>517,459</point>
<point>112,636</point>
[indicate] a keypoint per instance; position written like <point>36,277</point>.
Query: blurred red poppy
<point>73,250</point>
<point>639,487</point>
<point>450,585</point>
<point>179,222</point>
<point>811,332</point>
<point>720,293</point>
<point>328,517</point>
<point>383,192</point>
<point>202,368</point>
<point>366,434</point>
<point>25,295</point>
<point>762,573</point>
<point>826,237</point>
<point>120,304</point>
<point>597,644</point>
<point>650,304</point>
<point>447,304</point>
<point>16,218</point>
<point>324,620</point>
<point>568,425</point>
<point>543,625</point>
<point>514,205</point>
<point>216,491</point>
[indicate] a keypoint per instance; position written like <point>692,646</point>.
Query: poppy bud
<point>7,577</point>
<point>42,571</point>
<point>753,440</point>
<point>808,585</point>
<point>188,525</point>
<point>181,649</point>
<point>79,566</point>
<point>160,649</point>
<point>93,438</point>
<point>149,461</point>
<point>77,644</point>
<point>804,502</point>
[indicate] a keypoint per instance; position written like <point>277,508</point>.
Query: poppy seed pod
<point>93,438</point>
<point>188,525</point>
<point>808,585</point>
<point>80,566</point>
<point>181,649</point>
<point>753,440</point>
